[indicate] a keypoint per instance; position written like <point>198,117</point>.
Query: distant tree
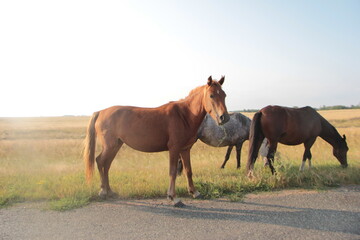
<point>337,107</point>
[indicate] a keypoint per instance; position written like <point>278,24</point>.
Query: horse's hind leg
<point>271,155</point>
<point>254,147</point>
<point>227,156</point>
<point>104,161</point>
<point>264,149</point>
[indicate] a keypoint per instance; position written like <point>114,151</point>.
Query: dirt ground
<point>290,214</point>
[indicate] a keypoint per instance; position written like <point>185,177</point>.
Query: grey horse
<point>233,133</point>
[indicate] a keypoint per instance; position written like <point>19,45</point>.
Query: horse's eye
<point>211,95</point>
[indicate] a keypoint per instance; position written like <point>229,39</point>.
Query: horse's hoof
<point>178,203</point>
<point>107,194</point>
<point>197,195</point>
<point>102,194</point>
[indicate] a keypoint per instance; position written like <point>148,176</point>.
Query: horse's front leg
<point>171,193</point>
<point>238,154</point>
<point>307,153</point>
<point>185,157</point>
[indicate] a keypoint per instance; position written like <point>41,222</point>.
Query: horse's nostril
<point>222,118</point>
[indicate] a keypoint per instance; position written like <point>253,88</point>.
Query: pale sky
<point>76,57</point>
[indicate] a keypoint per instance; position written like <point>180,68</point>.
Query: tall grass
<point>40,159</point>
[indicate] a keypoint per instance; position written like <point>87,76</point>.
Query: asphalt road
<point>291,214</point>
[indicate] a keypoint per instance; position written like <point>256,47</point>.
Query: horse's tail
<point>89,149</point>
<point>255,139</point>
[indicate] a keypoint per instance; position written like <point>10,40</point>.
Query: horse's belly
<point>147,146</point>
<point>288,140</point>
<point>146,135</point>
<point>299,137</point>
<point>215,142</point>
<point>220,137</point>
<point>290,143</point>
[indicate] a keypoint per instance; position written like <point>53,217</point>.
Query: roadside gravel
<point>289,214</point>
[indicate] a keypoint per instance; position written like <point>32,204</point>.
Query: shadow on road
<point>316,218</point>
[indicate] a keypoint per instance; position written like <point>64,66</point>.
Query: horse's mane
<point>199,90</point>
<point>192,93</point>
<point>327,126</point>
<point>195,91</point>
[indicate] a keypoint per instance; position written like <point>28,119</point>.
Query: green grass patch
<point>69,191</point>
<point>69,203</point>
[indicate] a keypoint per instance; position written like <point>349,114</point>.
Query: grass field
<point>41,159</point>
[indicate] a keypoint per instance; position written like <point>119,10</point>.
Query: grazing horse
<point>292,126</point>
<point>233,133</point>
<point>171,127</point>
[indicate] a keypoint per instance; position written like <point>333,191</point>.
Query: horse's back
<point>232,132</point>
<point>299,116</point>
<point>290,126</point>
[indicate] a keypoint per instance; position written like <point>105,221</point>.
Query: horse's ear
<point>344,137</point>
<point>221,81</point>
<point>209,81</point>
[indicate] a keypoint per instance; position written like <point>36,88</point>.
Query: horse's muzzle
<point>224,118</point>
<point>344,165</point>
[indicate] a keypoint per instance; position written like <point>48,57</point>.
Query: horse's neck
<point>193,106</point>
<point>329,133</point>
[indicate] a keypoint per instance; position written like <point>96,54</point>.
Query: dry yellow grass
<point>343,114</point>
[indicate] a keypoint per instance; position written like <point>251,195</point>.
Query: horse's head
<point>340,152</point>
<point>214,101</point>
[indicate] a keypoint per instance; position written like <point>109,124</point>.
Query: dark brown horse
<point>171,127</point>
<point>292,126</point>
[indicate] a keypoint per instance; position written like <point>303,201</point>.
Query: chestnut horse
<point>171,127</point>
<point>292,126</point>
